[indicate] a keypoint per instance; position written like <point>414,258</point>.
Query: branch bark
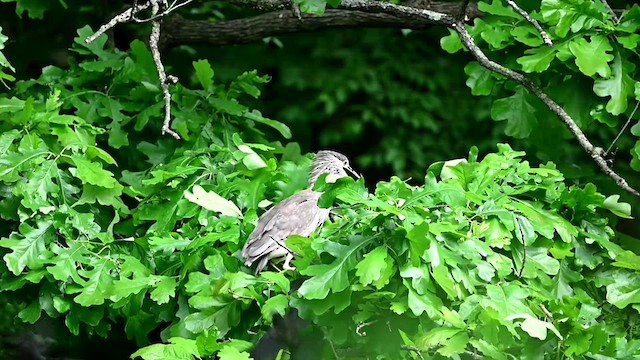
<point>281,20</point>
<point>248,30</point>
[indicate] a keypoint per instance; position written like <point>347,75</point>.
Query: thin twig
<point>159,8</point>
<point>623,128</point>
<point>362,326</point>
<point>613,13</point>
<point>546,312</point>
<point>473,355</point>
<point>597,157</point>
<point>125,16</point>
<point>413,349</point>
<point>169,9</point>
<point>165,80</point>
<point>333,349</point>
<point>532,21</point>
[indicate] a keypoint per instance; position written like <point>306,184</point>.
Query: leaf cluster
<point>590,69</point>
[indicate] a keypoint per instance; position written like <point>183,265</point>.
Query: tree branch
<point>179,31</point>
<point>596,155</point>
<point>352,14</point>
<point>164,79</point>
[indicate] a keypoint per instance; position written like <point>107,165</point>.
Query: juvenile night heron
<point>298,214</point>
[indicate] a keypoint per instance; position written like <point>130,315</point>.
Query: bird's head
<point>332,163</point>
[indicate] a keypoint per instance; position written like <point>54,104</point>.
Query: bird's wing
<point>296,215</point>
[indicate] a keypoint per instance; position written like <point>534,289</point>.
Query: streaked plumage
<point>299,214</point>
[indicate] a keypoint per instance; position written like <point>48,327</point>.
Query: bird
<point>298,214</point>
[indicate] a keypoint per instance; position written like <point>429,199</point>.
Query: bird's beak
<point>353,172</point>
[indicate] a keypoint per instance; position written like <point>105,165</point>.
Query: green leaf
<point>418,242</point>
<point>178,349</point>
<point>628,260</point>
<point>278,279</point>
<point>527,35</point>
<point>592,57</point>
<point>31,313</point>
<point>563,280</point>
<point>619,86</point>
<point>204,73</point>
<point>231,353</point>
<point>275,305</point>
<point>93,173</point>
<point>451,43</point>
<point>621,209</point>
<point>436,337</point>
<point>420,303</point>
<point>117,137</point>
<point>498,8</point>
<point>315,7</point>
<point>28,247</point>
<point>334,276</point>
<point>125,287</point>
<point>212,201</point>
<point>534,327</point>
<point>574,15</point>
<point>97,287</point>
<point>11,105</point>
<point>481,80</point>
<point>6,139</point>
<point>371,267</point>
<point>624,289</point>
<point>252,160</point>
<point>537,60</point>
<point>518,111</point>
<point>629,42</point>
<point>506,299</point>
<point>165,289</point>
<point>65,263</point>
<point>489,349</point>
<point>257,117</point>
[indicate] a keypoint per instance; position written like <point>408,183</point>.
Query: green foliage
<point>106,221</point>
<point>497,258</point>
<point>588,43</point>
<point>125,238</point>
<point>4,63</point>
<point>488,259</point>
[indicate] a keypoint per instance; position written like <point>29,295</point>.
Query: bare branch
<point>473,355</point>
<point>129,15</point>
<point>613,13</point>
<point>546,312</point>
<point>624,127</point>
<point>178,31</point>
<point>597,157</point>
<point>413,349</point>
<point>438,12</point>
<point>164,79</point>
<point>125,16</point>
<point>532,21</point>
